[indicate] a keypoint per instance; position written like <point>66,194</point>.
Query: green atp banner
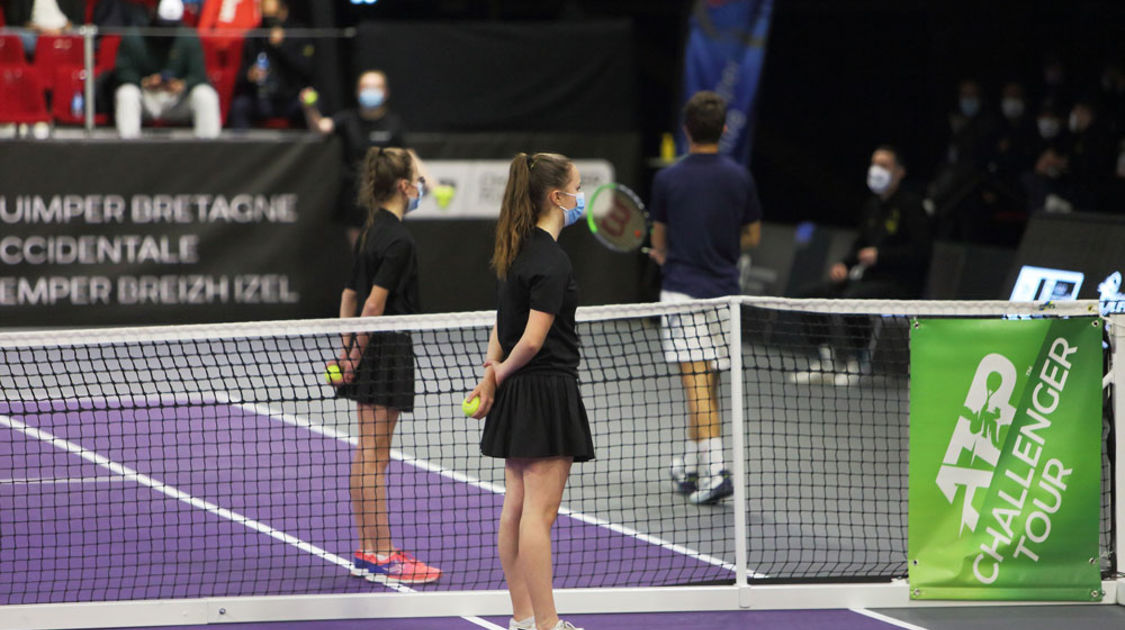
<point>1005,459</point>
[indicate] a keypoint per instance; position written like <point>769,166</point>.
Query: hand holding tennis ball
<point>309,97</point>
<point>470,405</point>
<point>332,375</point>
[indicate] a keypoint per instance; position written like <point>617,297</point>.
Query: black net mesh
<point>216,461</point>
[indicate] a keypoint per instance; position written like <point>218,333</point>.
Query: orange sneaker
<point>403,567</point>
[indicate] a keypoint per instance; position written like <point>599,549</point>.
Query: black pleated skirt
<point>538,415</point>
<point>385,375</point>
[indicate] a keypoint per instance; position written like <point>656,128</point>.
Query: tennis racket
<point>617,217</point>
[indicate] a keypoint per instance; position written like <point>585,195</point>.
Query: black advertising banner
<point>154,232</point>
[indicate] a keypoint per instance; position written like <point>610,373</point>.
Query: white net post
<point>1117,376</point>
<point>738,434</point>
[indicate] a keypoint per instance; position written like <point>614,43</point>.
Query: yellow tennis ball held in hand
<point>332,375</point>
<point>470,405</point>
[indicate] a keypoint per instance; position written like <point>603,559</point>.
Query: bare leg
<point>368,477</point>
<point>701,389</point>
<point>509,544</point>
<point>543,480</point>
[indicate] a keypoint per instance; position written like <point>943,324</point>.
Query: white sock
<point>691,456</point>
<point>711,457</point>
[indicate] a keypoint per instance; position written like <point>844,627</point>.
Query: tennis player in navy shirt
<point>705,210</point>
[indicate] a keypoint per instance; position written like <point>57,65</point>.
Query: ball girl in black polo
<point>529,392</point>
<point>378,369</point>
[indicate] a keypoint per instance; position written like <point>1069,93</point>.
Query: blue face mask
<point>371,98</point>
<point>571,215</point>
<point>413,205</point>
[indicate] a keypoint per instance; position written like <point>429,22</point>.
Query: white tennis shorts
<point>699,336</point>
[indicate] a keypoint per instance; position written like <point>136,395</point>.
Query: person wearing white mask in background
<point>971,128</point>
<point>370,124</point>
<point>889,259</point>
<point>1016,138</point>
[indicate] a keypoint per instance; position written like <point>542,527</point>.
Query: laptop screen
<point>1038,284</point>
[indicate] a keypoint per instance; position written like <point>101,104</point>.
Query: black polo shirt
<point>540,278</point>
<point>386,256</point>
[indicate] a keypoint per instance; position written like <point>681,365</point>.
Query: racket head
<point>616,217</point>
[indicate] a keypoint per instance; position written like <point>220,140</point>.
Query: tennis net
<point>180,463</point>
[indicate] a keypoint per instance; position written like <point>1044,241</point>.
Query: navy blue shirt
<point>704,200</point>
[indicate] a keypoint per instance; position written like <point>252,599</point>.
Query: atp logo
<point>974,449</point>
<point>1110,296</point>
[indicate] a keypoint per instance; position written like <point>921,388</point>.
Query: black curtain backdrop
<point>476,76</point>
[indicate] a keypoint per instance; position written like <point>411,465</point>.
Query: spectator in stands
<point>1091,155</point>
<point>120,13</point>
<point>372,124</point>
<point>1016,135</point>
<point>274,70</point>
<point>1112,96</point>
<point>1045,184</point>
<point>705,210</point>
<point>1055,88</point>
<point>972,128</point>
<point>1115,191</point>
<point>164,78</point>
<point>32,18</point>
<point>957,190</point>
<point>889,259</point>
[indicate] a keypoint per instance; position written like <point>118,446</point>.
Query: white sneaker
<point>820,368</point>
<point>526,624</point>
<point>713,489</point>
<point>565,625</point>
<point>852,372</point>
<point>683,481</point>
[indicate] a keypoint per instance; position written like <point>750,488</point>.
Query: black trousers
<point>847,334</point>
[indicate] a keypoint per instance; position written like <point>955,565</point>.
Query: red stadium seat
<point>11,51</point>
<point>68,82</point>
<point>21,96</point>
<point>58,51</point>
<point>106,57</point>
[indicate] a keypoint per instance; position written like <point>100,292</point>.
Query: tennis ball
<point>310,97</point>
<point>444,194</point>
<point>332,375</point>
<point>470,405</point>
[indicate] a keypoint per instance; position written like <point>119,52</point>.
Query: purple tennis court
<point>159,499</point>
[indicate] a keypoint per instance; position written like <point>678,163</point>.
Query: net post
<point>738,443</point>
<point>1117,374</point>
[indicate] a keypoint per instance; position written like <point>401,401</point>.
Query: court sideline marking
<point>179,495</point>
<point>886,619</point>
<point>269,412</point>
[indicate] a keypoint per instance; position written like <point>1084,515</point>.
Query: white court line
<point>61,481</point>
<point>269,412</point>
<point>885,619</point>
<point>175,493</point>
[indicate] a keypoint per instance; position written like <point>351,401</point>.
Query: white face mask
<point>878,179</point>
<point>1048,127</point>
<point>1072,123</point>
<point>1012,107</point>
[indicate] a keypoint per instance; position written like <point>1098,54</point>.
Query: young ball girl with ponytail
<point>377,369</point>
<point>529,392</point>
